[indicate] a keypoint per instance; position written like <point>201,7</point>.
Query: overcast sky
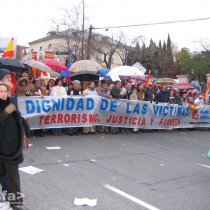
<point>28,20</point>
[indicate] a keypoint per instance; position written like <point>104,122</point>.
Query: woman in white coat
<point>57,90</point>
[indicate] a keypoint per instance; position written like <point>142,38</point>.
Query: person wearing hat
<point>11,144</point>
<point>75,91</point>
<point>22,87</point>
<point>177,98</point>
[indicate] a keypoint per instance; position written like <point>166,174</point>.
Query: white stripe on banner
<point>130,197</point>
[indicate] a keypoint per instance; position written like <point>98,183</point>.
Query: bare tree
<point>71,28</point>
<point>206,49</point>
<point>107,47</point>
<point>127,46</point>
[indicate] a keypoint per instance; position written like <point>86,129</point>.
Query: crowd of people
<point>12,143</point>
<point>125,89</point>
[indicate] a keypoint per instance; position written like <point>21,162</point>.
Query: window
<point>41,53</point>
<point>49,47</point>
<point>99,56</point>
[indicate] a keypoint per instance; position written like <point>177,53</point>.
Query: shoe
<point>19,208</point>
<point>92,132</point>
<point>135,132</point>
<point>123,131</point>
<point>99,132</point>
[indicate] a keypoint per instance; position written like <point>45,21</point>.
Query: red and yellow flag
<point>148,79</point>
<point>49,54</point>
<point>34,55</point>
<point>9,52</point>
<point>207,90</point>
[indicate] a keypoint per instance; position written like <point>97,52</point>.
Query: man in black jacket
<point>117,93</point>
<point>149,93</point>
<point>163,95</point>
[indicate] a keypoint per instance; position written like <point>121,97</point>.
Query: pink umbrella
<point>54,64</point>
<point>183,86</point>
<point>192,92</point>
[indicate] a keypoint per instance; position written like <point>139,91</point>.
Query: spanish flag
<point>9,52</point>
<point>148,79</point>
<point>207,90</point>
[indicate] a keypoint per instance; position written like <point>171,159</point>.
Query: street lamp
<point>89,42</point>
<point>83,25</point>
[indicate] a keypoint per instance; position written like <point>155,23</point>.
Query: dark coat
<point>115,93</point>
<point>163,97</point>
<point>11,134</point>
<point>148,94</point>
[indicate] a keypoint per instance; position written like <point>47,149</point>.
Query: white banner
<point>58,112</point>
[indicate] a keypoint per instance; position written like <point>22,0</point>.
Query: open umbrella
<point>125,71</point>
<point>103,72</point>
<point>183,86</point>
<point>65,73</point>
<point>55,75</point>
<point>38,65</point>
<point>84,76</point>
<point>45,78</point>
<point>54,64</point>
<point>85,65</point>
<point>165,81</point>
<point>12,64</point>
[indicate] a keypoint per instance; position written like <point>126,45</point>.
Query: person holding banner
<point>103,91</point>
<point>58,90</point>
<point>50,85</point>
<point>75,91</point>
<point>140,93</point>
<point>163,96</point>
<point>129,95</point>
<point>117,92</point>
<point>91,90</point>
<point>38,92</point>
<point>149,93</point>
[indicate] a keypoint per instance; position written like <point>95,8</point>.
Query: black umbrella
<point>12,64</point>
<point>85,76</point>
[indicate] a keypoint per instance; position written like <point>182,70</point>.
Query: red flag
<point>148,79</point>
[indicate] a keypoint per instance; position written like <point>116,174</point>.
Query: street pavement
<point>150,170</point>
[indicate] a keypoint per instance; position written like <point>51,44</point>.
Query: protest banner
<point>78,111</point>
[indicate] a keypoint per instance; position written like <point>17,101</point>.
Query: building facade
<point>69,45</point>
